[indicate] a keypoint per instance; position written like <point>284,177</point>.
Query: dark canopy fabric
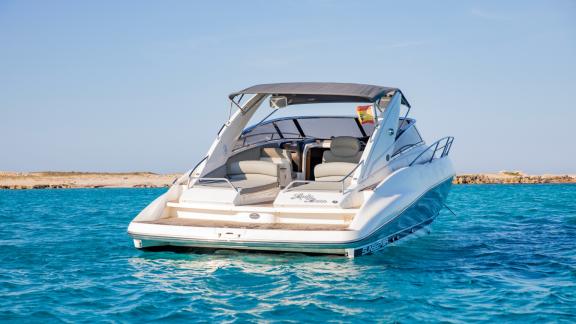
<point>321,92</point>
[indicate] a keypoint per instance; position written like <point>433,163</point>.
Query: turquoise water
<point>509,255</point>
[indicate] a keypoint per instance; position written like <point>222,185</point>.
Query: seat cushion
<point>345,146</point>
<point>333,171</point>
<point>343,149</point>
<point>253,176</point>
<point>254,183</point>
<point>273,154</point>
<point>330,157</point>
<point>252,167</point>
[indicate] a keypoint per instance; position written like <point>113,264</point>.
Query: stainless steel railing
<point>342,181</point>
<point>209,181</point>
<point>190,183</point>
<point>195,167</point>
<point>441,146</point>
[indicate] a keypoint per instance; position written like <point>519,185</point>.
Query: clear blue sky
<point>142,85</point>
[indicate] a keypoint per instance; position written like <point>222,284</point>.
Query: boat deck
<point>228,224</point>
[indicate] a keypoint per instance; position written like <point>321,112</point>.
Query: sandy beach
<point>45,180</point>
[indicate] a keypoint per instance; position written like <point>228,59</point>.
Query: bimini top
<point>322,92</point>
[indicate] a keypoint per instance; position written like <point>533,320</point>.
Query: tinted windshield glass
<point>312,127</point>
<point>288,128</point>
<point>327,127</point>
<point>262,133</point>
<point>408,138</point>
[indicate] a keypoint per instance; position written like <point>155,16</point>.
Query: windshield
<point>306,121</point>
<point>294,128</point>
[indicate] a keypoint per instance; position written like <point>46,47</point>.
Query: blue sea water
<point>509,255</point>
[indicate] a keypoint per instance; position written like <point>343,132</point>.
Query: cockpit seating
<point>340,160</point>
<point>259,173</point>
<point>252,176</point>
<point>343,149</point>
<point>279,157</point>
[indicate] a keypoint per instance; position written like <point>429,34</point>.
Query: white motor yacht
<point>340,184</point>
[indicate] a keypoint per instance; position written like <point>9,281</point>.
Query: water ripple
<point>509,255</point>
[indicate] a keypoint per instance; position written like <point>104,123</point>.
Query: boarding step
<point>261,214</point>
<point>242,225</point>
<point>261,208</point>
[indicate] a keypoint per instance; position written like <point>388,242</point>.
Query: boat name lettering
<point>374,247</point>
<point>308,198</point>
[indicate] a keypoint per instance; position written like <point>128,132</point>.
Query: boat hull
<point>414,217</point>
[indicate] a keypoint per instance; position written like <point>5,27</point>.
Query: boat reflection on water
<point>253,283</point>
<point>202,269</point>
<point>190,265</point>
<point>241,285</point>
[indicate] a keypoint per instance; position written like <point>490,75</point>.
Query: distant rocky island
<point>512,177</point>
<point>49,180</point>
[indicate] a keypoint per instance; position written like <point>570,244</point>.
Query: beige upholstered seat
<point>256,180</point>
<point>333,171</point>
<point>251,176</point>
<point>273,154</point>
<point>340,160</point>
<point>343,149</point>
<point>280,158</point>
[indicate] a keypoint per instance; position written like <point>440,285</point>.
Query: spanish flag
<point>365,114</point>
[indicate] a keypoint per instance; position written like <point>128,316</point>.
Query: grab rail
<point>445,149</point>
<point>341,181</point>
<point>212,180</point>
<point>195,167</point>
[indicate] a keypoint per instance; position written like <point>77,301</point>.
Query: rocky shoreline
<point>57,180</point>
<point>512,179</point>
<point>62,180</point>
